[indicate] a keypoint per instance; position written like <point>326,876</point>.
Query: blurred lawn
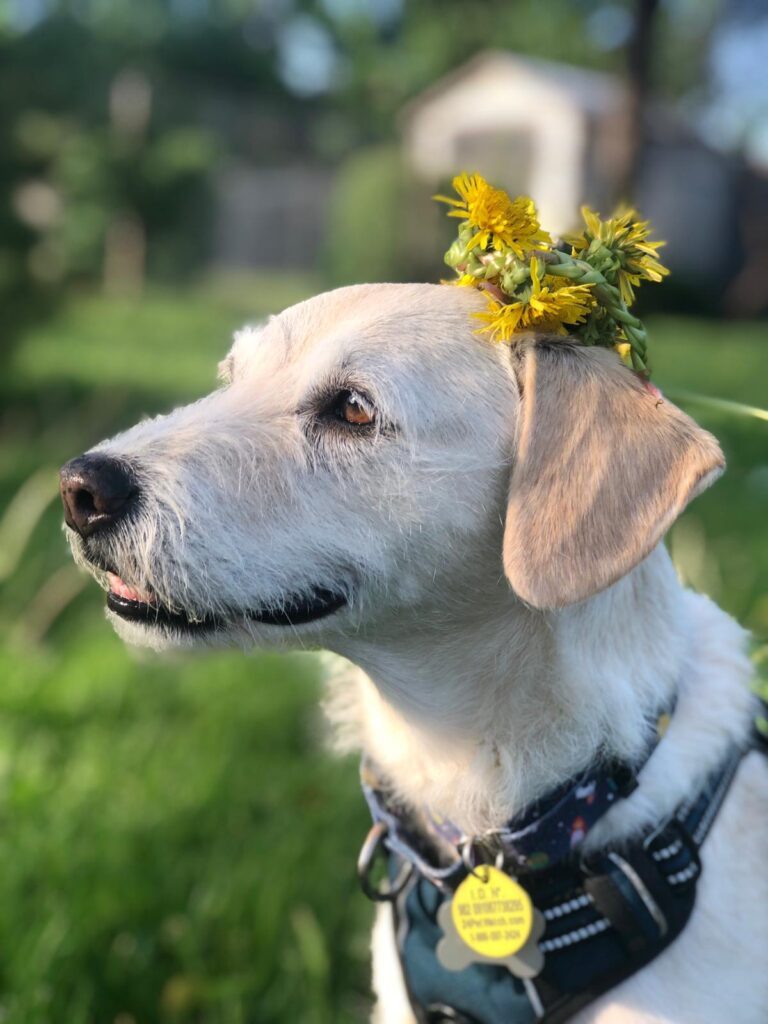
<point>176,846</point>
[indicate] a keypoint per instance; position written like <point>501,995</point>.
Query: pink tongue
<point>117,586</point>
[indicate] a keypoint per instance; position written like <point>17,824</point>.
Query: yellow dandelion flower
<point>465,280</point>
<point>625,238</point>
<point>505,223</point>
<point>550,306</point>
<point>624,349</point>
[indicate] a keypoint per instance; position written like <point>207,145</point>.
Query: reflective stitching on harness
<point>669,851</point>
<point>586,932</point>
<point>568,907</point>
<point>684,875</point>
<point>683,810</point>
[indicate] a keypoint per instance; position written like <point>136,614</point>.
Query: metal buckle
<point>372,845</point>
<point>641,889</point>
<point>467,850</point>
<point>635,881</point>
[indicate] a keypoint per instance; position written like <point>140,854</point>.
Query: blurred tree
<point>104,145</point>
<point>113,113</point>
<point>365,240</point>
<point>640,51</point>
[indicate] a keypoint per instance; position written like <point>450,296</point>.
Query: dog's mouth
<point>140,606</point>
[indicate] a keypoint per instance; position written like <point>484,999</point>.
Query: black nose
<point>97,491</point>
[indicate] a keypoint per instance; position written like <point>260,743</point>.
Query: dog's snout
<point>97,491</point>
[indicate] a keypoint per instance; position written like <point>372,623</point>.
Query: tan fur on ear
<point>603,468</point>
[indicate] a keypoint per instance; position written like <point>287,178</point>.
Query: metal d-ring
<point>372,845</point>
<point>466,857</point>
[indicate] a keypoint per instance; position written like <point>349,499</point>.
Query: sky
<point>738,110</point>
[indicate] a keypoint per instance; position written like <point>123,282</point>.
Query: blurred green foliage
<point>365,240</point>
<point>88,148</point>
<point>115,115</point>
<point>177,846</point>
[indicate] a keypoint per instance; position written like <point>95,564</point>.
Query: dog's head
<point>368,457</point>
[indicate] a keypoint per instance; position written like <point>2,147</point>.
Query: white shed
<point>531,126</point>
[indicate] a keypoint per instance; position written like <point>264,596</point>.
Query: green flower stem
<point>637,363</point>
<point>620,313</point>
<point>511,273</point>
<point>560,264</point>
<point>723,405</point>
<point>569,270</point>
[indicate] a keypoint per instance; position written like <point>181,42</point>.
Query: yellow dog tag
<point>491,919</point>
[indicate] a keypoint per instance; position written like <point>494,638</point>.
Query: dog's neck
<point>477,716</point>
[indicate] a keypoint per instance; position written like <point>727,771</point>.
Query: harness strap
<point>760,731</point>
<point>606,916</point>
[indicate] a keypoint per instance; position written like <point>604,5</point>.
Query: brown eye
<point>355,410</point>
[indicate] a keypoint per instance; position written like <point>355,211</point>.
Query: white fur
<point>468,700</point>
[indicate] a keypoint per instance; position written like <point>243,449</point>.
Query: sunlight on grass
<point>161,345</point>
<point>723,359</point>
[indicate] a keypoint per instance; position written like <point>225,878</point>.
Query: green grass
<point>721,544</point>
<point>175,843</point>
<point>176,846</point>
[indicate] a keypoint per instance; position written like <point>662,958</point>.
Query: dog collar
<point>544,834</point>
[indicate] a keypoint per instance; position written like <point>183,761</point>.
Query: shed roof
<point>595,92</point>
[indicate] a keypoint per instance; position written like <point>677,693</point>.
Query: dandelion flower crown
<point>533,284</point>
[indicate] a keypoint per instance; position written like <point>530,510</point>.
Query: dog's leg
<point>714,971</point>
<point>392,1005</point>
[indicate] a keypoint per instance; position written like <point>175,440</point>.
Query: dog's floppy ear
<point>603,468</point>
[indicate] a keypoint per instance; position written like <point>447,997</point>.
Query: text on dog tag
<point>492,914</point>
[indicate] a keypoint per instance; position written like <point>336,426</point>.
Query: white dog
<point>478,527</point>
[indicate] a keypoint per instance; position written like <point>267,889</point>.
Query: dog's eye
<point>355,409</point>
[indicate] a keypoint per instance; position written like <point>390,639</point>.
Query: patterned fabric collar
<point>545,833</point>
